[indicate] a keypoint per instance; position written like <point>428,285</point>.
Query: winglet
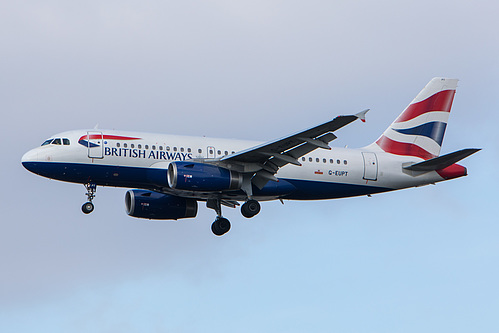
<point>362,115</point>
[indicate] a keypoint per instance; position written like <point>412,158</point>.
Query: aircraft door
<point>210,151</point>
<point>370,166</point>
<point>95,144</point>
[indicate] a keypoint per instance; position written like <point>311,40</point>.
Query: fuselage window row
<point>167,148</point>
<point>324,160</point>
<point>139,146</point>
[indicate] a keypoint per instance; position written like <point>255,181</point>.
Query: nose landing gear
<point>88,206</point>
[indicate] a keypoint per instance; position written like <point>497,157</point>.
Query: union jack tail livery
<point>420,128</point>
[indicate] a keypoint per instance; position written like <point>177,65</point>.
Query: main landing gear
<point>221,225</point>
<point>250,208</point>
<point>88,206</point>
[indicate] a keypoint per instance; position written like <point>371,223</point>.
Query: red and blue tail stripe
<point>441,101</point>
<point>419,130</point>
<point>402,148</point>
<point>434,130</point>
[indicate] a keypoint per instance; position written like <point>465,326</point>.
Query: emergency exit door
<point>210,152</point>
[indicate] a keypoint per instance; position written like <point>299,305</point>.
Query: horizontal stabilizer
<point>443,161</point>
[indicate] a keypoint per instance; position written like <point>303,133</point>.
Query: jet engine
<point>202,177</point>
<point>159,206</point>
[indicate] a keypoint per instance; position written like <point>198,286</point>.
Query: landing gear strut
<point>88,206</point>
<point>250,208</point>
<point>221,225</point>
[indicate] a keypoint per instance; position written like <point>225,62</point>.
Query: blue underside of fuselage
<point>154,179</point>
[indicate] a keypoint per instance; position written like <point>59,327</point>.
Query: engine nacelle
<point>159,206</point>
<point>202,177</point>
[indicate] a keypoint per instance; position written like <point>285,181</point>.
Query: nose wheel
<point>88,206</point>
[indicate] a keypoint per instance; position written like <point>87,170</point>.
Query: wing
<point>264,160</point>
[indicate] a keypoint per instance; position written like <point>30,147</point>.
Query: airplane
<point>170,174</point>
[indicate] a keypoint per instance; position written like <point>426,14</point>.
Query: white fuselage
<point>130,159</point>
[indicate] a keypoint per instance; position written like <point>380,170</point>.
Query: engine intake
<point>202,177</point>
<point>159,206</point>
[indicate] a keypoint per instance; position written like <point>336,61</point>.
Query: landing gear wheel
<point>220,226</point>
<point>87,207</point>
<point>250,208</point>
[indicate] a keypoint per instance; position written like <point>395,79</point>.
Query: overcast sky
<point>409,261</point>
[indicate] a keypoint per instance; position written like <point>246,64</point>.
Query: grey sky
<point>413,260</point>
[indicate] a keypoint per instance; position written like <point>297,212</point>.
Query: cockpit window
<point>65,142</point>
<point>47,142</point>
<point>56,141</point>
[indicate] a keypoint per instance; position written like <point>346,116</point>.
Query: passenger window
<point>181,149</point>
<point>233,152</point>
<point>65,142</point>
<point>56,141</point>
<point>219,152</point>
<point>174,148</point>
<point>226,153</point>
<point>345,162</point>
<point>188,150</point>
<point>139,146</point>
<point>153,147</point>
<point>317,160</point>
<point>303,159</point>
<point>160,147</point>
<point>124,145</point>
<point>132,146</point>
<point>310,159</point>
<point>47,142</point>
<point>146,146</point>
<point>117,144</point>
<point>323,160</point>
<point>200,151</point>
<point>331,161</point>
<point>167,148</point>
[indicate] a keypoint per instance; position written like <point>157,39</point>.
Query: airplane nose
<point>30,156</point>
<point>29,160</point>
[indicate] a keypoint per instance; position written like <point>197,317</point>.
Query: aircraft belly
<point>306,183</point>
<point>316,190</point>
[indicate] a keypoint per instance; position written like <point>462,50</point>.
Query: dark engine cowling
<point>159,206</point>
<point>202,177</point>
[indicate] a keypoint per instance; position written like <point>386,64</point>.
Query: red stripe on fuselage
<point>108,137</point>
<point>401,148</point>
<point>441,101</point>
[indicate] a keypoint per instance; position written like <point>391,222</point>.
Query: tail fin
<point>420,128</point>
